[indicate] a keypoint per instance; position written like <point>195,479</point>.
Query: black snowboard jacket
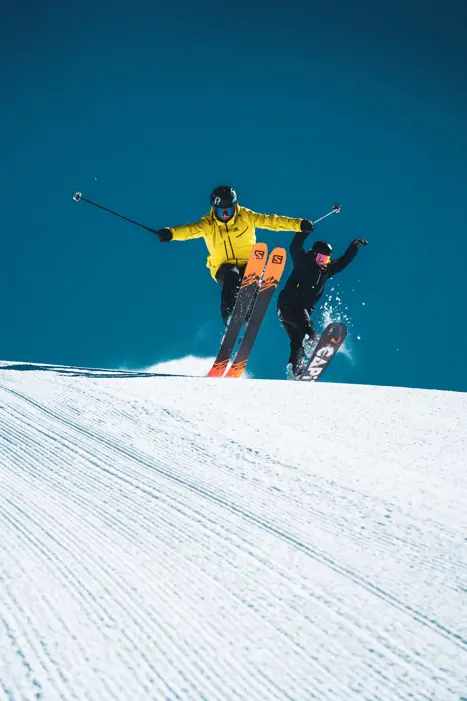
<point>307,280</point>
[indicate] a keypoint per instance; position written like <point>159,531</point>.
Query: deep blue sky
<point>297,105</point>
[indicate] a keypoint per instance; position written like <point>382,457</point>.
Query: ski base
<point>260,281</point>
<point>272,274</point>
<point>329,343</point>
<point>248,289</point>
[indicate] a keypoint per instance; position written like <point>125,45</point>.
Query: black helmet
<point>223,196</point>
<point>321,247</point>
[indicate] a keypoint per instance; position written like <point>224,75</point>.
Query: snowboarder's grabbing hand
<point>229,231</point>
<point>303,289</point>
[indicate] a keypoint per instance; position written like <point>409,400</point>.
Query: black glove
<point>164,235</point>
<point>307,226</point>
<point>360,242</point>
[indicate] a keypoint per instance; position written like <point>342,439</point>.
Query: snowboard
<point>328,344</point>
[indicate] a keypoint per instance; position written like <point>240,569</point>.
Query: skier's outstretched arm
<point>275,222</point>
<point>302,227</point>
<point>338,265</point>
<point>183,233</point>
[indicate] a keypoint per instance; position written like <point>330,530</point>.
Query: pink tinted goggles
<point>322,259</point>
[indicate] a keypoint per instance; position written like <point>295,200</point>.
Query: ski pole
<point>77,196</point>
<point>336,208</point>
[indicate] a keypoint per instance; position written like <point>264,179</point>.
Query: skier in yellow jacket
<point>229,232</point>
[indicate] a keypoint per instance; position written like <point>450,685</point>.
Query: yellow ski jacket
<point>232,241</point>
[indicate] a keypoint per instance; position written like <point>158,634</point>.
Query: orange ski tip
<point>236,369</point>
<point>218,369</point>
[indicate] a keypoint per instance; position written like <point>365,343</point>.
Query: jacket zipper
<point>230,241</point>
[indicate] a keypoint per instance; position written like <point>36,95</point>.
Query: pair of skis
<point>262,275</point>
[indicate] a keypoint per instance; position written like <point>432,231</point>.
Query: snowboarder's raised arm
<point>338,265</point>
<point>297,251</point>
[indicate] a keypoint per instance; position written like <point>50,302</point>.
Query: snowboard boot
<point>296,364</point>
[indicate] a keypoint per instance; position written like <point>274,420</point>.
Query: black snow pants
<point>297,323</point>
<point>229,277</point>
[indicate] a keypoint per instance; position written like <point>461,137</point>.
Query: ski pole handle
<point>77,196</point>
<point>336,208</point>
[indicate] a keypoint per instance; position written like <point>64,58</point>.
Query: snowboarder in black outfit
<point>303,290</point>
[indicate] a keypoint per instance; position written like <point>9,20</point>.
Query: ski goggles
<point>322,259</point>
<point>224,213</point>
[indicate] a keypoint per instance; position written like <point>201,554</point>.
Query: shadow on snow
<point>86,372</point>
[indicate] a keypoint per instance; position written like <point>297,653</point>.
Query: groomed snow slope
<point>184,538</point>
